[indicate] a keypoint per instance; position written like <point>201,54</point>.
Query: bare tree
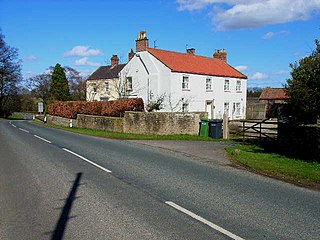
<point>10,76</point>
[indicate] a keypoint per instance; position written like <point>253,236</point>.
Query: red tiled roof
<point>188,63</point>
<point>273,94</point>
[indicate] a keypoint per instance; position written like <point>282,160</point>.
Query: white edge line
<point>13,125</point>
<point>43,139</point>
<point>83,158</point>
<point>210,224</point>
<point>24,130</point>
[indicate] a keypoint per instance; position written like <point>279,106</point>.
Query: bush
<point>117,108</point>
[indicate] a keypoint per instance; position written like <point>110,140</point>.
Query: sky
<point>262,37</point>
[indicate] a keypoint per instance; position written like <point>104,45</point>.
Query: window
<point>185,107</point>
<point>226,85</point>
<point>107,86</point>
<point>238,86</point>
<point>185,82</point>
<point>104,99</point>
<point>236,109</point>
<point>94,88</point>
<point>129,84</point>
<point>209,84</point>
<point>226,108</point>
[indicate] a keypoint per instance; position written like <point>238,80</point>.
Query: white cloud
<point>30,59</point>
<point>241,68</point>
<point>281,72</point>
<point>268,35</point>
<point>241,14</point>
<point>259,76</point>
<point>82,51</point>
<point>85,62</point>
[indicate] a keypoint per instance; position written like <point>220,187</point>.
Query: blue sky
<point>262,37</point>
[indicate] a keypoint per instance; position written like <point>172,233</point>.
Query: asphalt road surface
<point>61,185</point>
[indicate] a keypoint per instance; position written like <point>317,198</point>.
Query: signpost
<point>40,107</point>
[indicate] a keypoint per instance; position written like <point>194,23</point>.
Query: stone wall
<point>113,124</point>
<point>301,141</point>
<point>60,121</point>
<point>162,123</point>
<point>157,123</point>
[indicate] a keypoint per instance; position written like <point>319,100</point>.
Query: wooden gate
<point>257,129</point>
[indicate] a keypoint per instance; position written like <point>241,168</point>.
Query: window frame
<point>226,87</point>
<point>238,86</point>
<point>185,83</point>
<point>129,84</point>
<point>228,108</point>
<point>185,107</point>
<point>208,89</point>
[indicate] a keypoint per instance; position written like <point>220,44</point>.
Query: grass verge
<point>16,116</point>
<point>275,165</point>
<point>130,136</point>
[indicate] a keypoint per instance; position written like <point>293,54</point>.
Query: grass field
<point>273,164</point>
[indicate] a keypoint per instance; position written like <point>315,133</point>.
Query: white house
<point>187,82</point>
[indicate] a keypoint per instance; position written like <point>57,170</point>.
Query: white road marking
<point>43,139</point>
<point>210,224</point>
<point>88,161</point>
<point>24,130</point>
<point>14,126</point>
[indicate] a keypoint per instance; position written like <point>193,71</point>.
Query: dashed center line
<point>87,160</point>
<point>201,219</point>
<point>43,139</point>
<point>24,130</point>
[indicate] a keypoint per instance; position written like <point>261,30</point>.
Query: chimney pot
<point>191,51</point>
<point>142,43</point>
<point>220,54</point>
<point>131,55</point>
<point>114,60</point>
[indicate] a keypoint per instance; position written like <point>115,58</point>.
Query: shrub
<point>117,108</point>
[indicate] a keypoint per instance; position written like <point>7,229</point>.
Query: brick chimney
<point>191,51</point>
<point>142,43</point>
<point>220,54</point>
<point>131,55</point>
<point>114,60</point>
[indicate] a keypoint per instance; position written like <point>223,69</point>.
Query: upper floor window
<point>94,88</point>
<point>129,84</point>
<point>238,86</point>
<point>226,86</point>
<point>107,85</point>
<point>209,84</point>
<point>185,82</point>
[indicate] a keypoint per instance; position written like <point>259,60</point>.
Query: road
<point>61,185</point>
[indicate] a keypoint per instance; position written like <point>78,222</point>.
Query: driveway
<point>210,152</point>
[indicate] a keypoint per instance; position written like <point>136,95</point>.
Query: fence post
<point>225,126</point>
<point>243,133</point>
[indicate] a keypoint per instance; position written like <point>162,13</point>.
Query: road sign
<point>40,107</point>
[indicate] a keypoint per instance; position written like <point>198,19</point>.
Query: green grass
<point>289,169</point>
<point>130,136</point>
<point>16,116</point>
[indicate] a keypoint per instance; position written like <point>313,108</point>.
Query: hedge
<point>117,108</point>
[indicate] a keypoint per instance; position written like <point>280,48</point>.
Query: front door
<point>210,108</point>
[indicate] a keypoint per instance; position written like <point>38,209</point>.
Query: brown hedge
<point>117,108</point>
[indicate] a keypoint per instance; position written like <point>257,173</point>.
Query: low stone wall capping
<point>157,123</point>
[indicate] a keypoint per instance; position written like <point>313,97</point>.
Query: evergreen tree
<point>59,86</point>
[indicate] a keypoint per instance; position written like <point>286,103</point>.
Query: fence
<point>254,129</point>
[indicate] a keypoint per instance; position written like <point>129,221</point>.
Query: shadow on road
<point>64,217</point>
